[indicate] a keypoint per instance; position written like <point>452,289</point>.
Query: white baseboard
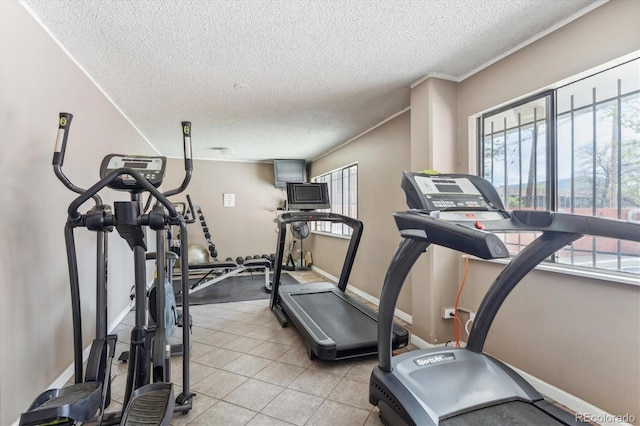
<point>366,296</point>
<point>423,344</point>
<point>116,322</point>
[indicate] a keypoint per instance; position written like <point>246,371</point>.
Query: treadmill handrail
<point>313,216</point>
<point>526,221</point>
<point>405,257</point>
<point>558,230</point>
<point>521,264</point>
<point>457,236</point>
<point>545,221</point>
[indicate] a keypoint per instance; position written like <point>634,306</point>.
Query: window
<point>343,194</point>
<point>575,149</point>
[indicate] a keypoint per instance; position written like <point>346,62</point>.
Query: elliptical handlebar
<point>188,160</point>
<point>188,155</point>
<point>74,214</point>
<point>64,123</point>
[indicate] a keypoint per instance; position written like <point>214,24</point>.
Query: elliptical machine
<point>144,402</point>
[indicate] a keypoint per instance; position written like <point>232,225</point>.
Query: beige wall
<point>38,80</point>
<point>244,230</point>
<point>434,136</point>
<point>382,155</point>
<point>578,334</point>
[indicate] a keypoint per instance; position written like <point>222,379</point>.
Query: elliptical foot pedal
<point>78,402</point>
<point>150,404</point>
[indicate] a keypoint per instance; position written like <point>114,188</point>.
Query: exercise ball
<point>198,254</point>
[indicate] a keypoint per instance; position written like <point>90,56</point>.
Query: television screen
<point>307,196</point>
<point>289,171</point>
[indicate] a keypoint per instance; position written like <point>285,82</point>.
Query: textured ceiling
<point>282,79</point>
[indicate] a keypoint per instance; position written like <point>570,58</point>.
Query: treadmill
<point>464,386</point>
<point>332,324</point>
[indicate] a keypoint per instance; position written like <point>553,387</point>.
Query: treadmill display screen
<point>442,193</point>
<point>449,188</point>
<point>307,196</point>
<point>436,185</point>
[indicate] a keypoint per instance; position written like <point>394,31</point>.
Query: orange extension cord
<point>457,324</point>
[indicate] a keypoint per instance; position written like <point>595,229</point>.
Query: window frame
<point>550,145</point>
<point>552,179</point>
<point>337,229</point>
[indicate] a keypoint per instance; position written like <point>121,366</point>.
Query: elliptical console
<point>151,168</point>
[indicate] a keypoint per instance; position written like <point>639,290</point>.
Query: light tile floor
<point>248,370</point>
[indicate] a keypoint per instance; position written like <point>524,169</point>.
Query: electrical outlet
<point>448,313</point>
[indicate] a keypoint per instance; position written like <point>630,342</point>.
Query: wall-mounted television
<point>307,196</point>
<point>289,171</point>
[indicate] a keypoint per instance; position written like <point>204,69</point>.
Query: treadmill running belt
<point>344,323</point>
<point>512,413</point>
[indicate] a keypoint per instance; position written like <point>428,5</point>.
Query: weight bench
<point>231,268</point>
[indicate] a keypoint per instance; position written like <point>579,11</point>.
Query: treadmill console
<point>151,168</point>
<point>453,196</point>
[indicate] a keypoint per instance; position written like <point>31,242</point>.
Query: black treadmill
<point>333,325</point>
<point>464,386</point>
